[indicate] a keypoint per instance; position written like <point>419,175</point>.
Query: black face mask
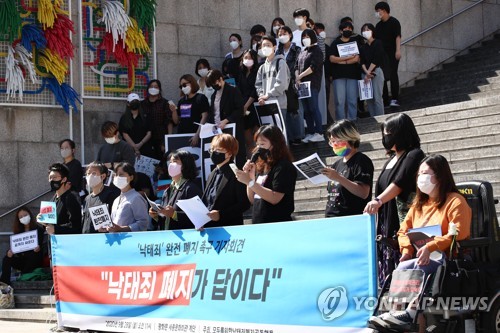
<point>55,185</point>
<point>217,157</point>
<point>388,141</point>
<point>347,33</point>
<point>216,87</point>
<point>134,105</point>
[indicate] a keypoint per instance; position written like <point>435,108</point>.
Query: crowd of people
<point>412,190</point>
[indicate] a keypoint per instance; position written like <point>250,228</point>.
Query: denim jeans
<point>376,105</point>
<point>346,94</point>
<point>294,125</point>
<point>312,113</point>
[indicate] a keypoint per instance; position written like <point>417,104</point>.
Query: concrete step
<point>29,315</point>
<point>34,300</point>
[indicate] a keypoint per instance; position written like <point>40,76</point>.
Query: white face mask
<point>306,42</point>
<point>111,140</point>
<point>267,51</point>
<point>234,44</point>
<point>93,180</point>
<point>299,21</point>
<point>186,90</point>
<point>254,47</point>
<point>120,182</point>
<point>203,72</point>
<point>66,152</point>
<point>260,53</point>
<point>276,28</point>
<point>424,183</point>
<point>367,34</point>
<point>25,220</point>
<point>284,39</point>
<point>174,169</point>
<point>248,63</point>
<point>153,91</point>
<point>322,34</point>
<point>377,15</point>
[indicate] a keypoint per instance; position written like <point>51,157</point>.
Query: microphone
<point>255,156</point>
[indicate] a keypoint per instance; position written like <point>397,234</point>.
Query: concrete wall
<point>190,29</point>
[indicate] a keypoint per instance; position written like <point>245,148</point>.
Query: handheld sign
<point>24,241</point>
<point>348,49</point>
<point>48,213</point>
<point>100,217</point>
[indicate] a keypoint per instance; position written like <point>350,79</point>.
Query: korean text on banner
<point>48,212</point>
<point>234,278</point>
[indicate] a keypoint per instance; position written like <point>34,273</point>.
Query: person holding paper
<point>224,196</point>
<point>182,168</point>
<point>75,177</point>
<point>437,202</point>
<point>270,177</point>
<point>135,127</point>
<point>372,60</point>
<point>99,194</point>
<point>309,68</point>
<point>346,72</point>
<point>351,175</point>
<point>395,187</point>
<point>130,210</point>
<point>227,107</point>
<point>27,261</point>
<point>193,108</point>
<point>68,206</point>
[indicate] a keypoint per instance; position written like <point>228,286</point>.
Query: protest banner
<point>48,212</point>
<point>305,276</point>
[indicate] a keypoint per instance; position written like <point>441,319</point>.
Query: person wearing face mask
<point>276,25</point>
<point>437,202</point>
<point>114,150</point>
<point>350,188</point>
<point>270,177</point>
<point>161,114</point>
<point>68,205</point>
<point>309,68</point>
<point>27,261</point>
<point>227,107</point>
<point>202,68</point>
<point>99,194</point>
<point>395,187</point>
<point>345,72</point>
<point>388,30</point>
<point>75,177</point>
<point>294,115</point>
<point>136,128</point>
<point>130,210</point>
<point>224,196</point>
<point>246,85</point>
<point>300,17</point>
<point>372,64</point>
<point>231,64</point>
<point>183,171</point>
<point>193,108</point>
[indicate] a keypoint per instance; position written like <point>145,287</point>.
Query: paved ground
<point>24,327</point>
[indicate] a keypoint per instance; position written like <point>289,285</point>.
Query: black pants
<point>26,262</point>
<point>394,78</point>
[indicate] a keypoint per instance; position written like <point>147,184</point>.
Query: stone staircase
<point>466,133</point>
<point>470,76</point>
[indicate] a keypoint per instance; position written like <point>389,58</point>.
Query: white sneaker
<point>317,138</point>
<point>394,103</point>
<point>307,138</point>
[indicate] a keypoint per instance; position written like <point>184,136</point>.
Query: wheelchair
<point>483,250</point>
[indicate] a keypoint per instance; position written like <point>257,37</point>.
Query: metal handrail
<point>441,22</point>
<point>24,204</point>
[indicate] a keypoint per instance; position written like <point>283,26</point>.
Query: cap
<point>132,97</point>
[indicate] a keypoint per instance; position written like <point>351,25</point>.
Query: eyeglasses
<point>332,143</point>
<point>183,85</point>
<point>218,150</point>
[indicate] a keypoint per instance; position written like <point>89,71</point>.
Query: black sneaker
<point>399,318</point>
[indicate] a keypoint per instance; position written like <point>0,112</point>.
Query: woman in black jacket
<point>224,196</point>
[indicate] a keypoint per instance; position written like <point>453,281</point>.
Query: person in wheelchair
<point>437,202</point>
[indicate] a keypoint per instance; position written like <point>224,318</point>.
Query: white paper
<point>311,167</point>
<point>109,178</point>
<point>145,165</point>
<point>207,130</point>
<point>24,241</point>
<point>304,90</point>
<point>154,206</point>
<point>348,49</point>
<point>100,217</point>
<point>196,210</point>
<point>365,90</point>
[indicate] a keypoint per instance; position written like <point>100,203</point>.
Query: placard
<point>24,241</point>
<point>100,217</point>
<point>365,90</point>
<point>348,49</point>
<point>304,90</point>
<point>48,213</point>
<point>270,114</point>
<point>145,165</point>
